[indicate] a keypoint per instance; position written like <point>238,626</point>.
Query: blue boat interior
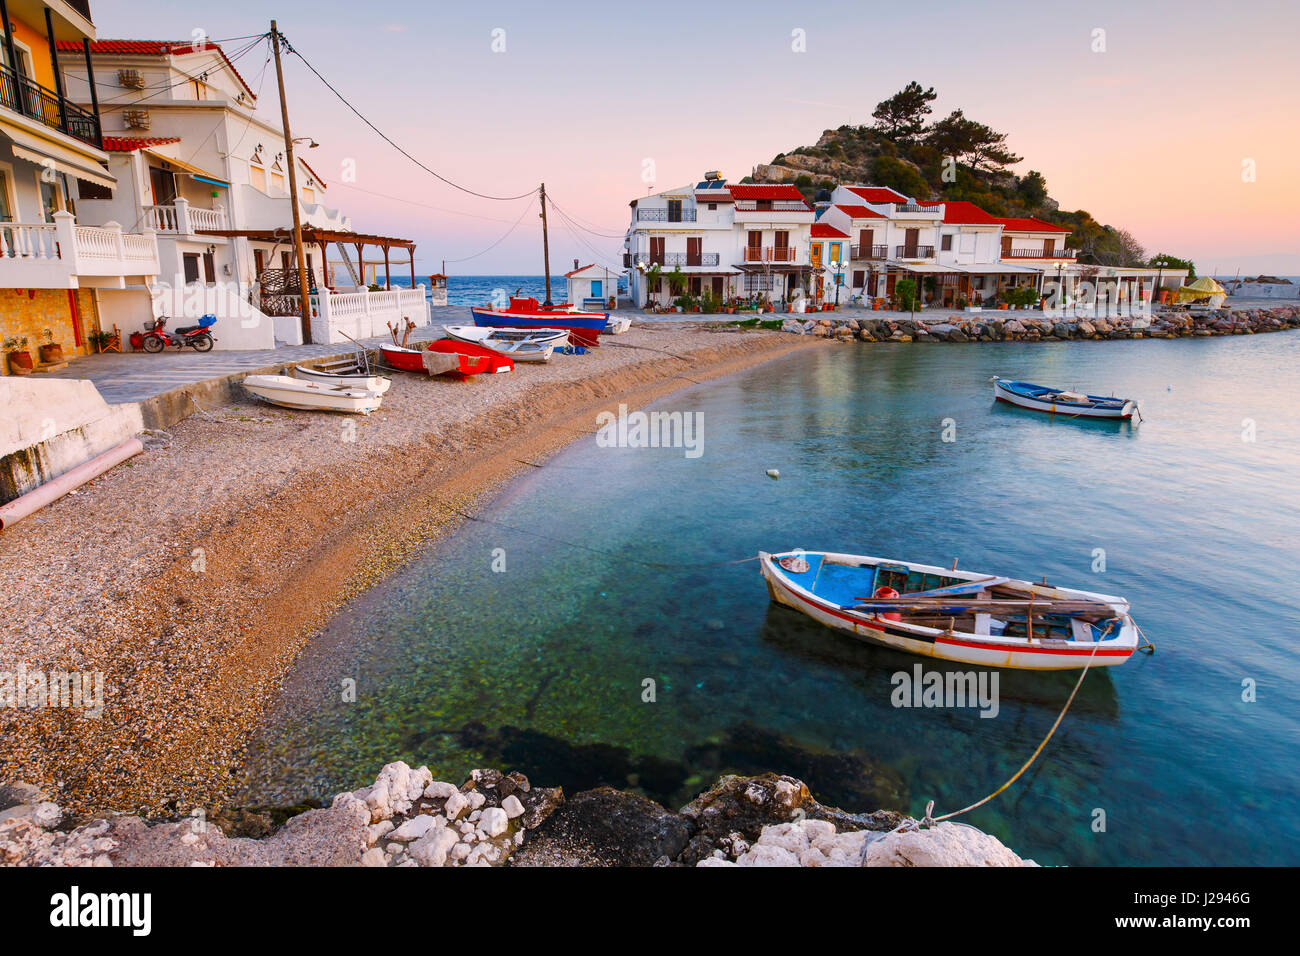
<point>1045,393</point>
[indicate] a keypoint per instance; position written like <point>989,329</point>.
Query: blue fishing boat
<point>525,312</point>
<point>1060,401</point>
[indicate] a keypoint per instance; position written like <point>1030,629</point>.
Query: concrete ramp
<point>49,426</point>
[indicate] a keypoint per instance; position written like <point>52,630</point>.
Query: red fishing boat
<point>492,362</point>
<point>454,361</point>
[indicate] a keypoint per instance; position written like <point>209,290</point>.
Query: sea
<point>602,625</point>
<point>480,290</point>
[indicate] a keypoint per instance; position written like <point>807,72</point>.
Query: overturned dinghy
<point>316,396</point>
<point>953,615</point>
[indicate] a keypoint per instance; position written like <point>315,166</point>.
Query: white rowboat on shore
<point>522,345</point>
<point>315,396</point>
<point>371,383</point>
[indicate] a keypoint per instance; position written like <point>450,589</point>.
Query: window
<point>199,89</point>
<point>674,210</point>
<point>89,190</point>
<point>945,243</point>
<point>191,260</point>
<point>209,268</point>
<point>277,182</point>
<point>256,175</point>
<point>309,195</point>
<point>859,278</point>
<point>163,184</point>
<point>51,197</point>
<point>259,262</point>
<point>836,248</point>
<point>6,208</point>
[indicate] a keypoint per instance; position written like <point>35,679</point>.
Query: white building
<point>727,241</point>
<point>592,286</point>
<point>196,164</point>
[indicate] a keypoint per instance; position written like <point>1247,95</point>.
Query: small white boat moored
<point>617,325</point>
<point>953,615</point>
<point>1059,401</point>
<point>315,396</point>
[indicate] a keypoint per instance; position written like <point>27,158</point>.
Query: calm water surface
<point>613,576</point>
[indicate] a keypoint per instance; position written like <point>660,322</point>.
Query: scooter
<point>196,337</point>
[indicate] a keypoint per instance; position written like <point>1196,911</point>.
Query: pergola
<point>312,235</point>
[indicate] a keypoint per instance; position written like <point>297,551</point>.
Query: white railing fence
<point>181,219</point>
<point>363,315</point>
<point>29,240</point>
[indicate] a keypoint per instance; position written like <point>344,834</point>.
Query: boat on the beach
<point>358,379</point>
<point>430,362</point>
<point>475,359</point>
<point>953,615</point>
<point>521,345</point>
<point>525,312</point>
<point>1059,401</point>
<point>617,325</point>
<point>316,396</point>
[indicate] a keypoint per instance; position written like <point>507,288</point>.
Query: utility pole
<point>546,249</point>
<point>303,287</point>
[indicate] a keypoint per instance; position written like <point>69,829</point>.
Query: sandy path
<point>194,575</point>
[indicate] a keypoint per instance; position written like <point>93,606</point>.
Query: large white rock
<point>456,802</point>
<point>512,807</point>
<point>417,827</point>
<point>947,844</point>
<point>494,822</point>
<point>432,848</point>
<point>374,857</point>
<point>767,855</point>
<point>440,791</point>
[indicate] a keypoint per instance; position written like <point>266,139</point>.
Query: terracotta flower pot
<point>51,353</point>
<point>20,363</point>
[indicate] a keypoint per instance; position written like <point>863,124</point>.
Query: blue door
<point>596,289</point>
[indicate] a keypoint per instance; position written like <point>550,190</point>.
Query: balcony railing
<point>916,207</point>
<point>34,101</point>
<point>182,219</point>
<point>1040,254</point>
<point>771,205</point>
<point>46,254</point>
<point>859,251</point>
<point>769,253</point>
<point>665,215</point>
<point>689,259</point>
<point>913,252</point>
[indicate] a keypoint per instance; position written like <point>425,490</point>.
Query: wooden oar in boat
<point>944,606</point>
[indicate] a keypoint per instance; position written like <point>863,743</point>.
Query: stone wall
<point>30,312</point>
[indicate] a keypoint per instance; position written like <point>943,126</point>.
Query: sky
<point>1177,121</point>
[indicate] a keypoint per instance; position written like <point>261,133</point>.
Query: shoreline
<point>196,618</point>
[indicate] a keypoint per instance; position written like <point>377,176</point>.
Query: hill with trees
<point>955,158</point>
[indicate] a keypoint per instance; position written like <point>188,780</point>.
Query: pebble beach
<point>193,575</point>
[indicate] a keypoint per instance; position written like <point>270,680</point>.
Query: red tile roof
<point>152,48</point>
<point>127,144</point>
<point>962,213</point>
<point>859,212</point>
<point>877,194</point>
<point>1031,224</point>
<point>824,230</point>
<point>570,275</point>
<point>756,191</point>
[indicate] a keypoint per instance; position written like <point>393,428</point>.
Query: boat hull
<point>1004,391</point>
<point>312,396</point>
<point>519,345</point>
<point>1015,653</point>
<point>372,383</point>
<point>474,359</point>
<point>584,328</point>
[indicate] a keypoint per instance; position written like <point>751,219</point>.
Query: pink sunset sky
<point>1150,135</point>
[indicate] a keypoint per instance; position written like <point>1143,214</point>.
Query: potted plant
<point>20,360</point>
<point>51,352</point>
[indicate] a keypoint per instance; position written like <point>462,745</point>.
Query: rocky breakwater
<point>1035,327</point>
<point>408,819</point>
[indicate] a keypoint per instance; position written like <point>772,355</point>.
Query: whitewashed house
<point>198,166</point>
<point>592,286</point>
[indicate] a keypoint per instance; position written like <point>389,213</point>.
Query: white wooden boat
<point>316,396</point>
<point>1058,401</point>
<point>372,383</point>
<point>617,326</point>
<point>953,615</point>
<point>522,345</point>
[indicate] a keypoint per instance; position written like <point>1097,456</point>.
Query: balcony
<point>182,219</point>
<point>665,215</point>
<point>34,101</point>
<point>913,252</point>
<point>689,259</point>
<point>868,252</point>
<point>912,207</point>
<point>769,253</point>
<point>771,205</point>
<point>1040,254</point>
<point>61,254</point>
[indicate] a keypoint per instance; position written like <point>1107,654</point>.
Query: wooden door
<point>866,237</point>
<point>657,249</point>
<point>1006,247</point>
<point>911,239</point>
<point>694,249</point>
<point>717,286</point>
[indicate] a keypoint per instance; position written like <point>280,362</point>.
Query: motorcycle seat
<point>187,329</point>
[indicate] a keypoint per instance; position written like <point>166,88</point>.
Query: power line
<point>527,210</point>
<point>412,202</point>
<point>594,232</point>
<point>382,135</point>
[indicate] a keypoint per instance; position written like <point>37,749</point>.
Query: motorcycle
<point>197,337</point>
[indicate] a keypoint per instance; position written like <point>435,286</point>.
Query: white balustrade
<point>29,240</point>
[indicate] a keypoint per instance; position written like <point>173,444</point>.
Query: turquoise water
<point>611,577</point>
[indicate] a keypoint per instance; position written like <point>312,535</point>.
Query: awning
<point>920,266</point>
<point>42,152</point>
<point>193,171</point>
<point>995,268</point>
